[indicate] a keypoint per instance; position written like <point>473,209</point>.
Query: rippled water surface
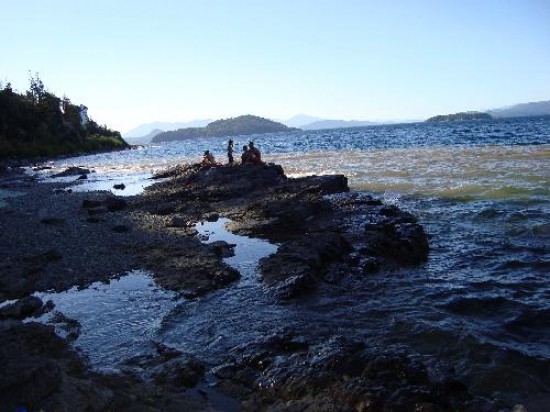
<point>117,320</point>
<point>480,306</point>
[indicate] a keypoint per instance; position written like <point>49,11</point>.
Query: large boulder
<point>299,264</point>
<point>287,372</point>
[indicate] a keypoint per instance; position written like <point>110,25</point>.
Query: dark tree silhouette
<point>38,123</point>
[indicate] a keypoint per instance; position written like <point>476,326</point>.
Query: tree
<point>37,91</point>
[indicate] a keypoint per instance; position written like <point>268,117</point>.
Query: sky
<point>135,62</point>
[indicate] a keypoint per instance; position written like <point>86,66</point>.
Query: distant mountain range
<point>237,126</point>
<point>518,110</point>
<point>523,110</point>
<point>143,139</point>
<point>145,133</point>
<point>335,124</point>
<point>300,120</point>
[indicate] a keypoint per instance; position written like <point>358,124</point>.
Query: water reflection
<point>210,326</point>
<point>118,319</point>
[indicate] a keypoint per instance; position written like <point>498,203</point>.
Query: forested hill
<point>460,116</point>
<point>38,123</point>
<point>242,125</point>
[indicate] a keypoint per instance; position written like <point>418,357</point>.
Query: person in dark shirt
<point>230,152</point>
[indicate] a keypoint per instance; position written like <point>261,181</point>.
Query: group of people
<point>251,155</point>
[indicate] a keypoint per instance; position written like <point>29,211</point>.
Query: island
<point>461,116</point>
<point>38,123</point>
<point>236,126</point>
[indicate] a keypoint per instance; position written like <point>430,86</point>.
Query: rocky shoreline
<point>328,237</point>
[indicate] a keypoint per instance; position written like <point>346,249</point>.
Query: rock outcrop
<point>325,235</point>
<point>324,232</point>
<point>287,372</point>
<point>40,371</point>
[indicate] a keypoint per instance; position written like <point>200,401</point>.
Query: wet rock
<point>180,373</point>
<point>405,243</point>
<point>40,371</point>
<point>106,205</point>
<point>88,203</point>
<point>121,228</point>
<point>393,236</point>
<point>54,221</point>
<point>316,221</point>
<point>115,204</point>
<point>286,217</point>
<point>178,221</point>
<point>71,327</point>
<point>298,265</point>
<point>325,235</point>
<point>335,272</point>
<point>329,184</point>
<point>167,352</point>
<point>190,267</point>
<point>163,209</point>
<point>215,184</point>
<point>51,255</point>
<point>119,186</point>
<point>20,277</point>
<point>21,309</point>
<point>413,243</point>
<point>39,168</point>
<point>98,210</point>
<point>295,286</point>
<point>82,177</point>
<point>335,374</point>
<point>370,264</point>
<point>169,367</point>
<point>389,210</point>
<point>223,249</point>
<point>212,217</point>
<point>73,171</point>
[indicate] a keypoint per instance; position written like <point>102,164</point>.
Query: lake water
<point>479,307</point>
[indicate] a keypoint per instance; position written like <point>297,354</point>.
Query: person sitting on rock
<point>247,156</point>
<point>256,155</point>
<point>208,159</point>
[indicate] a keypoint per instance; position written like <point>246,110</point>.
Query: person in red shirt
<point>246,157</point>
<point>256,156</point>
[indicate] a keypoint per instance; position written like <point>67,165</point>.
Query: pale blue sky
<point>133,62</point>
